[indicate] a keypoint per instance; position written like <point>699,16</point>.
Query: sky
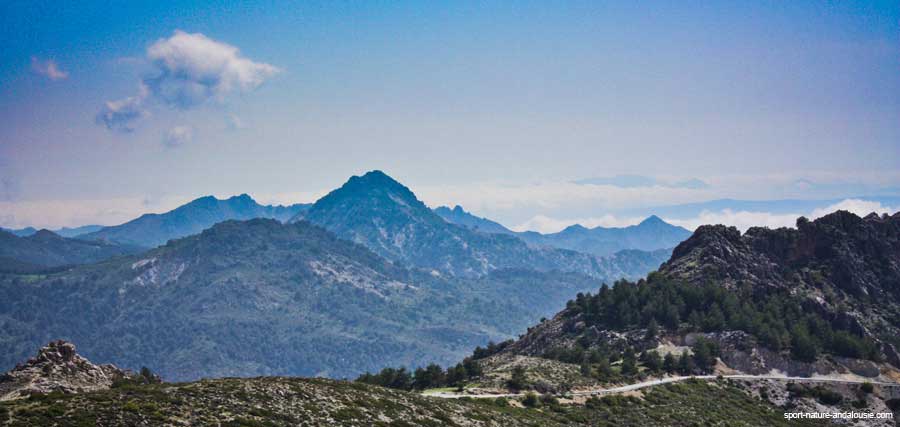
<point>535,114</point>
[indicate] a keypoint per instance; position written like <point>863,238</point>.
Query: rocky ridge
<point>58,368</point>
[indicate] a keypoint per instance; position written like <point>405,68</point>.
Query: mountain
<point>841,266</point>
<point>45,249</point>
<point>651,234</point>
<point>459,216</point>
<point>380,213</point>
<point>21,232</point>
<point>259,297</point>
<point>77,231</point>
<point>819,300</point>
<point>65,231</point>
<point>152,230</point>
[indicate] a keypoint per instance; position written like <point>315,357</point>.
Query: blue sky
<point>499,106</point>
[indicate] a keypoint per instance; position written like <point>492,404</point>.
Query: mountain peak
<point>374,178</point>
<point>573,228</point>
<point>45,234</point>
<point>653,220</point>
<point>370,184</point>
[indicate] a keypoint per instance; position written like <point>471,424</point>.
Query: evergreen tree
<point>686,363</point>
<point>629,363</point>
<point>517,381</point>
<point>670,363</point>
<point>652,330</point>
<point>653,361</point>
<point>803,347</point>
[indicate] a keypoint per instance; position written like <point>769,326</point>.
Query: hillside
<point>259,298</point>
<point>816,300</point>
<point>380,213</point>
<point>44,249</point>
<point>152,230</point>
<point>842,267</point>
<point>275,401</point>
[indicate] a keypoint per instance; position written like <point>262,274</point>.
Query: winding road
<point>667,380</point>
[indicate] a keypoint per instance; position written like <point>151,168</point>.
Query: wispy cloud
<point>178,136</point>
<point>48,68</point>
<point>120,115</point>
<point>189,70</point>
<point>640,181</point>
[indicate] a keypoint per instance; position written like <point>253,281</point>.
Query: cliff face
<point>57,368</point>
<point>844,266</point>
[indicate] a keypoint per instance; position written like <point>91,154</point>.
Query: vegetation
<point>778,320</point>
<point>272,401</point>
<point>431,376</point>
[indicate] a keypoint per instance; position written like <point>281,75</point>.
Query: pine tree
<point>670,363</point>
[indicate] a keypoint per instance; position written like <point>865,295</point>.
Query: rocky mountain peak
<point>57,368</point>
<point>373,183</point>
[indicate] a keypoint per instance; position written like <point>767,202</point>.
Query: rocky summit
<point>842,266</point>
<point>58,368</point>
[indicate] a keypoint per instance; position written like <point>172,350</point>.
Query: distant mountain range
<point>151,230</point>
<point>64,232</point>
<point>260,297</point>
<point>365,277</point>
<point>650,235</point>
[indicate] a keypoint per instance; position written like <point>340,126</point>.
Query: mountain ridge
<point>151,230</point>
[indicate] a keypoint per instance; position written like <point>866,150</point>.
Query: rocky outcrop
<point>58,368</point>
<point>845,267</point>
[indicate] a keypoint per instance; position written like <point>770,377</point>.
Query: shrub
<point>531,400</point>
<point>867,388</point>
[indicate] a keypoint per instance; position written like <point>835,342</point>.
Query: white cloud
<point>119,115</point>
<point>491,198</point>
<point>49,69</point>
<point>189,70</point>
<point>740,219</point>
<point>193,68</point>
<point>858,207</point>
<point>235,122</point>
<point>178,136</point>
<point>746,219</point>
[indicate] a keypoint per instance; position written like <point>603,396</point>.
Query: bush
<point>828,396</point>
<point>517,381</point>
<point>549,400</point>
<point>531,400</point>
<point>867,388</point>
